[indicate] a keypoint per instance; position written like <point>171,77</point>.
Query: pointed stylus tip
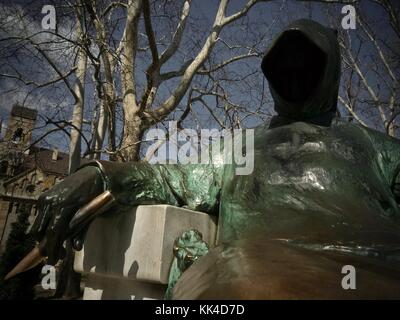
<point>32,259</point>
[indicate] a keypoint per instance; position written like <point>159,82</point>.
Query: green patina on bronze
<point>318,182</point>
<point>188,248</point>
<point>311,182</point>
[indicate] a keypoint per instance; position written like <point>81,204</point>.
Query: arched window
<point>14,188</point>
<point>3,167</point>
<point>33,178</point>
<point>17,136</point>
<point>30,188</point>
<point>24,184</point>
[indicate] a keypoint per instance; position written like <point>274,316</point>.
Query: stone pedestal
<point>128,254</point>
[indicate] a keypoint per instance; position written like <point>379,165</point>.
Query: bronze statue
<point>324,193</point>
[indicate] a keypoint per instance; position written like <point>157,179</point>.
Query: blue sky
<point>268,18</point>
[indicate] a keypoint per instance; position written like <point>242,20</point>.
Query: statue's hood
<point>302,66</point>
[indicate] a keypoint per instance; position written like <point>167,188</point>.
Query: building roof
<point>42,158</point>
<point>23,112</point>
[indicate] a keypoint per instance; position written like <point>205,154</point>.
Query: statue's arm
<point>196,186</point>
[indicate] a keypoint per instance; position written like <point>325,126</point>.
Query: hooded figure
<point>323,193</point>
<point>302,66</point>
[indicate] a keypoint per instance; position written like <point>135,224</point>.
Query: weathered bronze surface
<point>260,268</point>
<point>87,213</point>
<point>324,193</point>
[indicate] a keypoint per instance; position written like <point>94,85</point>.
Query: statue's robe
<point>323,193</point>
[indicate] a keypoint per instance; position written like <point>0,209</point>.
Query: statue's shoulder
<point>376,136</point>
<point>262,131</point>
<point>262,128</point>
<point>387,148</point>
<point>343,125</point>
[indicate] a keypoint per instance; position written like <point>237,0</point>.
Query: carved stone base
<point>129,252</point>
<point>111,288</point>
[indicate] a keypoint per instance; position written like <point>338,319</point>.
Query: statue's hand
<point>57,206</point>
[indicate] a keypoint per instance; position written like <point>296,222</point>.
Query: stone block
<point>99,287</point>
<point>136,244</point>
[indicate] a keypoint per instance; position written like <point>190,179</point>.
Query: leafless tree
<point>145,62</point>
<point>370,82</point>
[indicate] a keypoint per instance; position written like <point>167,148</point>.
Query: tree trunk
<point>99,132</point>
<point>77,116</point>
<point>133,133</point>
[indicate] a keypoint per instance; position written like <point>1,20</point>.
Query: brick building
<point>25,171</point>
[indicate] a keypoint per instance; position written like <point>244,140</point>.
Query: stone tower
<point>16,140</point>
<point>20,124</point>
